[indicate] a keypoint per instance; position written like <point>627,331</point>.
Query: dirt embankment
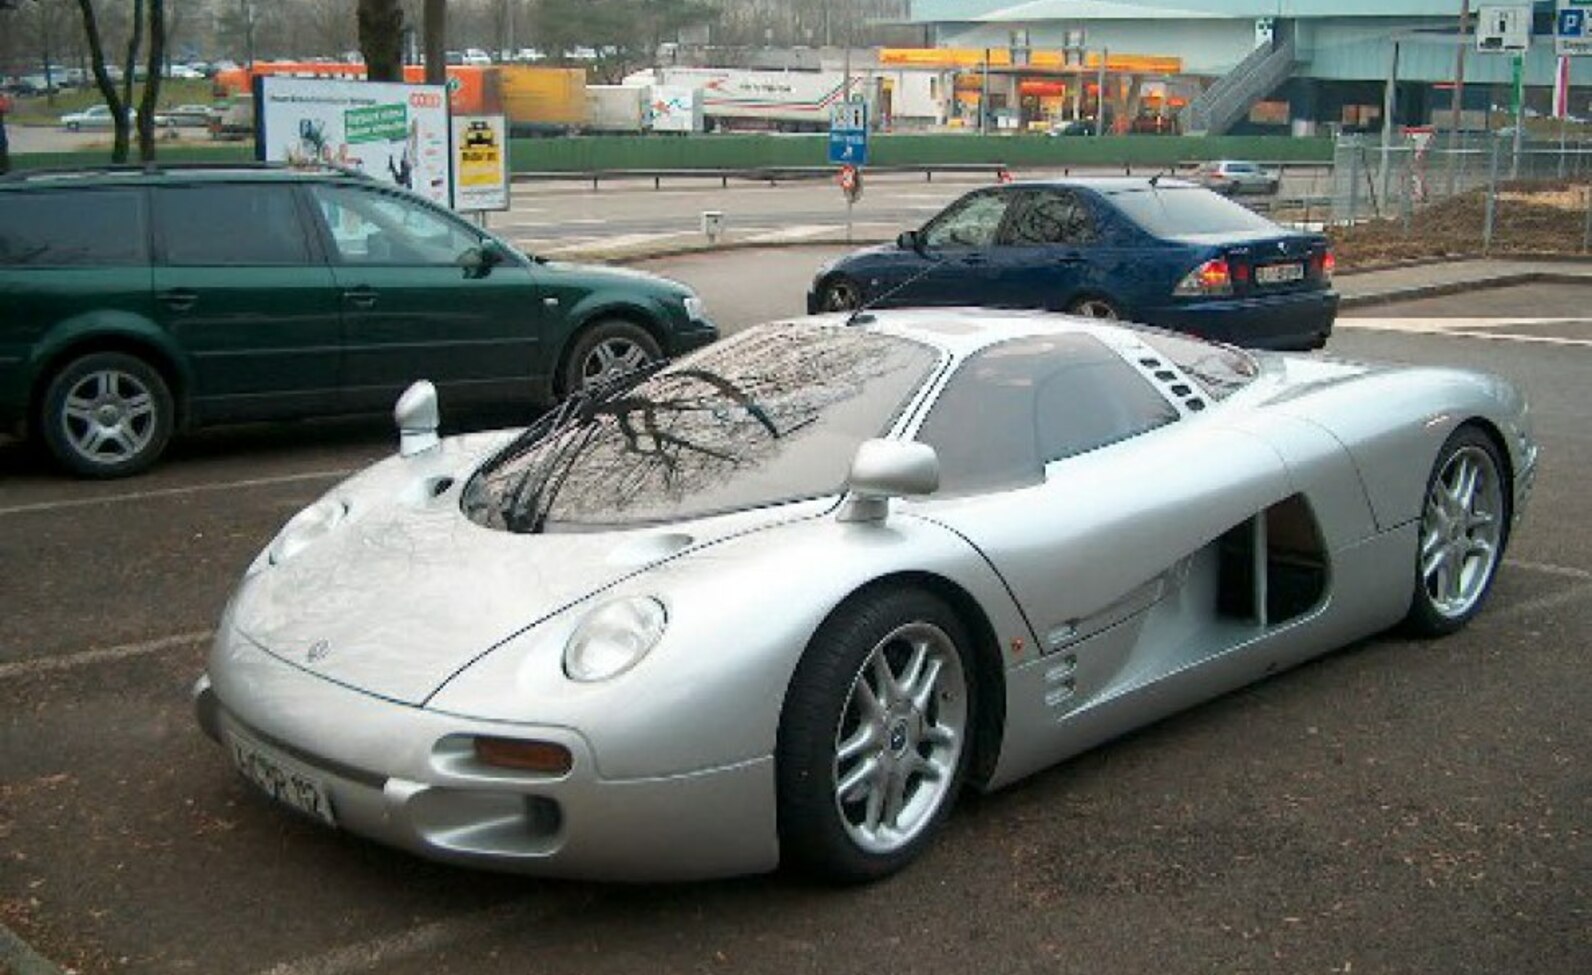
<point>1535,218</point>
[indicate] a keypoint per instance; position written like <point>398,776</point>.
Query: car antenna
<point>935,263</point>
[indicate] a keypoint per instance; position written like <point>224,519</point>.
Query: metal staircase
<point>1216,108</point>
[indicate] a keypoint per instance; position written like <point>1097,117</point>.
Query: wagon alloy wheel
<point>608,350</point>
<point>900,738</point>
<point>1094,308</point>
<point>841,294</point>
<point>875,736</point>
<point>107,415</point>
<point>1464,526</point>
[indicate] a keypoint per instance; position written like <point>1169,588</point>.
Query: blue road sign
<point>848,134</point>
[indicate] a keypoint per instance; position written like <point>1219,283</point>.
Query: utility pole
<point>983,98</point>
<point>1389,107</point>
<point>1100,97</point>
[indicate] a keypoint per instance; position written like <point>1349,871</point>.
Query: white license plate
<point>1279,273</point>
<point>281,778</point>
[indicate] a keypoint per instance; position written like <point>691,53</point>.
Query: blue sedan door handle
<point>1069,257</point>
<point>361,297</point>
<point>973,259</point>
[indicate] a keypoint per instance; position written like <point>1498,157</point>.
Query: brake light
<point>1213,277</point>
<point>1329,264</point>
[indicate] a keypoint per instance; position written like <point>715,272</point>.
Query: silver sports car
<point>779,601</point>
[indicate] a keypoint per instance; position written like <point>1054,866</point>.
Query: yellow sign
<point>480,162</point>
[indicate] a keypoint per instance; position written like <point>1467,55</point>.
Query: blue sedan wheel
<point>840,294</point>
<point>875,736</point>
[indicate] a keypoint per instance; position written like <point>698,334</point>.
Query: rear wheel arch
<point>160,359</point>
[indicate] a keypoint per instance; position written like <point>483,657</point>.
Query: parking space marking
<point>1552,600</point>
<point>1564,571</point>
<point>377,953</point>
<point>174,492</point>
<point>83,658</point>
<point>798,232</point>
<point>1476,328</point>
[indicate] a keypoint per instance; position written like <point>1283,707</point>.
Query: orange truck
<point>535,99</point>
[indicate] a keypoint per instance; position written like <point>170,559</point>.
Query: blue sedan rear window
<point>1175,211</point>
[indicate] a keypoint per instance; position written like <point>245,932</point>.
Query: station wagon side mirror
<point>418,417</point>
<point>885,469</point>
<point>478,262</point>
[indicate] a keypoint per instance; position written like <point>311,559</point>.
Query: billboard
<point>393,132</point>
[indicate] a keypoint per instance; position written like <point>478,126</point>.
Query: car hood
<point>406,591</point>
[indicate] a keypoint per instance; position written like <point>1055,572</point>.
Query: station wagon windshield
<point>770,415</point>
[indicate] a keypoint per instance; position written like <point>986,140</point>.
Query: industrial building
<point>1255,66</point>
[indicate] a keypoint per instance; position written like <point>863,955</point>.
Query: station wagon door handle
<point>179,299</point>
<point>360,297</point>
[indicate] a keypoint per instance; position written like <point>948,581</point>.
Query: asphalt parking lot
<point>1394,807</point>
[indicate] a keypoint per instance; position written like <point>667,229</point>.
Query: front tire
<point>606,351</point>
<point>1464,527</point>
<point>107,414</point>
<point>875,736</point>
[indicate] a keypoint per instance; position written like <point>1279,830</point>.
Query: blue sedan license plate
<point>1279,273</point>
<point>281,778</point>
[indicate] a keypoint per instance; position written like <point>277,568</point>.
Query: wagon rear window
<point>772,414</point>
<point>73,228</point>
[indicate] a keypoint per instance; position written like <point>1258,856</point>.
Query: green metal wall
<point>584,154</point>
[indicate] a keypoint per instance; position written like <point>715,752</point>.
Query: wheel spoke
<point>140,406</point>
<point>1465,488</point>
<point>79,410</point>
<point>121,438</point>
<point>866,700</point>
<point>914,668</point>
<point>895,799</point>
<point>939,735</point>
<point>870,819</point>
<point>1481,547</point>
<point>634,358</point>
<point>865,737</point>
<point>924,691</point>
<point>929,768</point>
<point>889,693</point>
<point>1433,561</point>
<point>863,777</point>
<point>92,441</point>
<point>1455,578</point>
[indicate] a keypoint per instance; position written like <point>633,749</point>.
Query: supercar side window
<point>1016,406</point>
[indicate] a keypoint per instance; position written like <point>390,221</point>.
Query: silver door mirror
<point>418,417</point>
<point>885,469</point>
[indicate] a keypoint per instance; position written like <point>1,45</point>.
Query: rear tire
<point>107,414</point>
<point>1094,308</point>
<point>1464,528</point>
<point>875,736</point>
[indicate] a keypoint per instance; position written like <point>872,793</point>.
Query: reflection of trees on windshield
<point>771,414</point>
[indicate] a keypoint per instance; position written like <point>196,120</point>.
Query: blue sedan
<point>1160,251</point>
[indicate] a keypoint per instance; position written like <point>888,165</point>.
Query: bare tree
<point>120,102</point>
<point>381,25</point>
<point>152,75</point>
<point>102,79</point>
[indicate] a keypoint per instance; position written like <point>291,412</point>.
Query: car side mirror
<point>910,241</point>
<point>884,469</point>
<point>417,416</point>
<point>478,262</point>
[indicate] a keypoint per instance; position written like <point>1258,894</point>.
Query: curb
<point>1413,292</point>
<point>17,957</point>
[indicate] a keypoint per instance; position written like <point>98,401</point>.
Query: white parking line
<point>798,232</point>
<point>18,509</point>
<point>71,661</point>
<point>1490,329</point>
<point>378,953</point>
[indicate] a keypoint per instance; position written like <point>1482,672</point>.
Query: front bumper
<point>406,776</point>
<point>696,334</point>
<point>1292,321</point>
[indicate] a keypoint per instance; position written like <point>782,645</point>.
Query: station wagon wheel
<point>1464,526</point>
<point>1094,308</point>
<point>875,736</point>
<point>107,414</point>
<point>609,349</point>
<point>840,294</point>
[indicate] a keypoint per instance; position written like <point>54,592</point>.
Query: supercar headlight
<point>312,523</point>
<point>696,309</point>
<point>614,637</point>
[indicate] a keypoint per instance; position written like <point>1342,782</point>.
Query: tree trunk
<point>157,60</point>
<point>102,78</point>
<point>435,29</point>
<point>135,37</point>
<point>381,25</point>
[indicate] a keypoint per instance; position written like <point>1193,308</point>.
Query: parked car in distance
<point>777,603</point>
<point>1077,126</point>
<point>1235,177</point>
<point>139,304</point>
<point>190,116</point>
<point>99,117</point>
<point>1159,251</point>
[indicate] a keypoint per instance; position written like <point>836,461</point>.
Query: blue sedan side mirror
<point>910,241</point>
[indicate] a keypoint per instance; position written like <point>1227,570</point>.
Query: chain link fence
<point>1481,189</point>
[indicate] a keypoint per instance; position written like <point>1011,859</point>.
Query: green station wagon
<point>136,303</point>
